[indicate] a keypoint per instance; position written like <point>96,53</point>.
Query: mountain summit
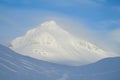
<point>51,43</point>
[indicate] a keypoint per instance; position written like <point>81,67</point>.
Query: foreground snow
<point>14,66</point>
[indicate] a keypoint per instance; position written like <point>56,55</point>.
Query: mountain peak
<point>51,43</point>
<point>49,24</point>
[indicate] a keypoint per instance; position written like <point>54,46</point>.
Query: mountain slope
<point>14,66</point>
<point>51,43</point>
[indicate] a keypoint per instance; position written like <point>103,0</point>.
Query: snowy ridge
<point>19,67</point>
<point>51,43</point>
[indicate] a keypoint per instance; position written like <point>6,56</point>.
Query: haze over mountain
<point>49,42</point>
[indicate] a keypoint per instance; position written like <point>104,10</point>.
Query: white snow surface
<point>49,42</point>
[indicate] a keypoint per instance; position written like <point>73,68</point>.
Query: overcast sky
<point>100,19</point>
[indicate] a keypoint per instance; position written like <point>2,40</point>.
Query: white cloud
<point>109,31</point>
<point>102,37</point>
<point>108,24</point>
<point>116,35</point>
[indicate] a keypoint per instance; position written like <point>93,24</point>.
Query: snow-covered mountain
<point>15,66</point>
<point>51,43</point>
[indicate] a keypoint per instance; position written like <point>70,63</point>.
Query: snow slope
<point>51,43</point>
<point>15,66</point>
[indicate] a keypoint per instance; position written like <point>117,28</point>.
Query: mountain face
<point>15,66</point>
<point>49,42</point>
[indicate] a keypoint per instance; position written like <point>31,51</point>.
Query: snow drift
<point>15,66</point>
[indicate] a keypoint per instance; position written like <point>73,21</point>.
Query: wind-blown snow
<point>51,43</point>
